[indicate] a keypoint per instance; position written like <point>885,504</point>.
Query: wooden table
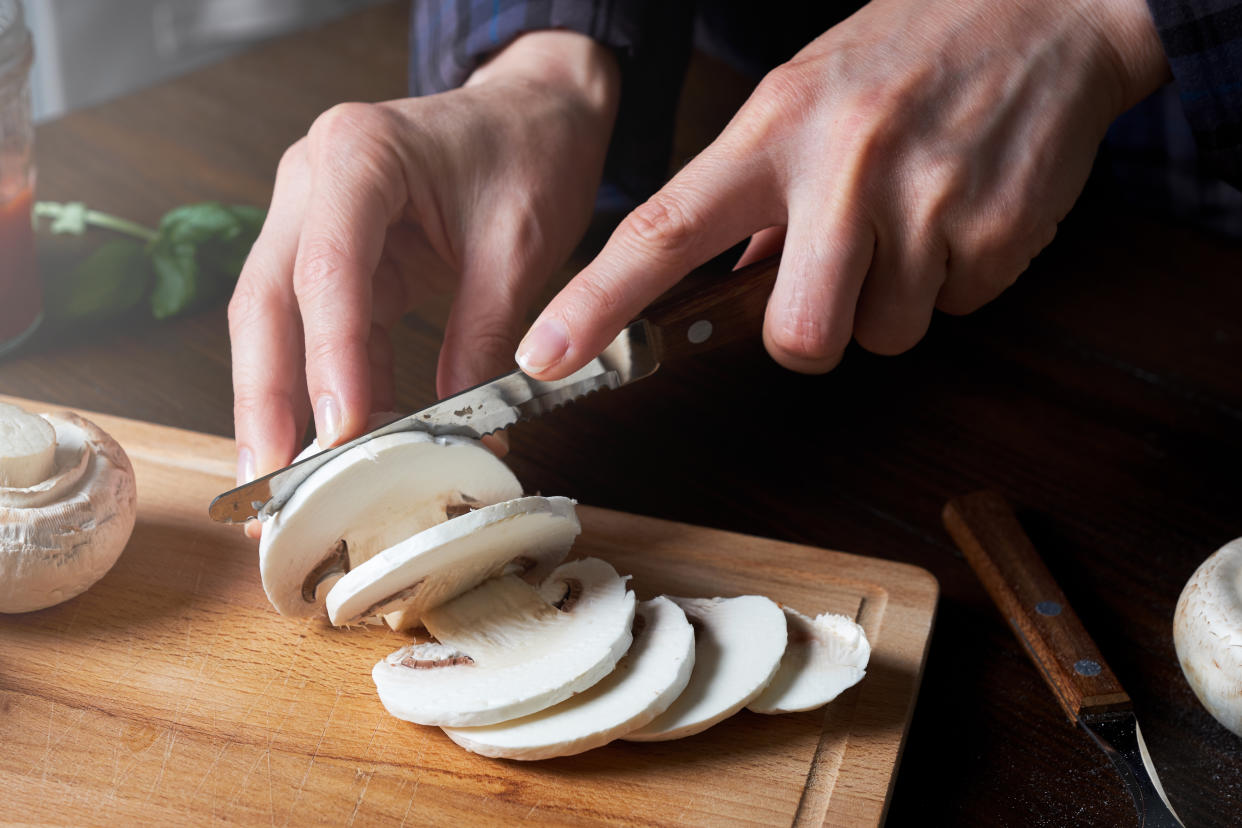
<point>1103,394</point>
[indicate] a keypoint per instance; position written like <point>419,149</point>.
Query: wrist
<point>561,61</point>
<point>1131,47</point>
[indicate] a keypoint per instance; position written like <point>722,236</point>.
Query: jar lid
<point>14,36</point>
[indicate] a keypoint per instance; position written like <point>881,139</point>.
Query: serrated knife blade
<point>709,311</point>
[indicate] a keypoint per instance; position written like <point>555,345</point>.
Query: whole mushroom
<point>1207,632</point>
<point>67,507</point>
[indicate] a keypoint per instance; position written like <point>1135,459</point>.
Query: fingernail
<point>327,421</point>
<point>245,466</point>
<point>544,346</point>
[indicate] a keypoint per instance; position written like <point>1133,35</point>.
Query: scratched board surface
<point>172,692</point>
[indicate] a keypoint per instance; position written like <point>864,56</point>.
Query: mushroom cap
<point>738,644</point>
<point>1207,633</point>
<point>823,658</point>
<point>371,497</point>
<point>527,536</point>
<point>652,673</point>
<point>505,650</point>
<point>61,535</point>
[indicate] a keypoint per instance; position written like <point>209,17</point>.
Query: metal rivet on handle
<point>1087,667</point>
<point>1048,608</point>
<point>699,332</point>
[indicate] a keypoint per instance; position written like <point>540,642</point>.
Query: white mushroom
<point>823,658</point>
<point>366,500</point>
<point>1207,633</point>
<point>67,508</point>
<point>527,537</point>
<point>644,683</point>
<point>505,649</point>
<point>738,643</point>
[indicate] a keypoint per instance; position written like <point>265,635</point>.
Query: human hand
<point>486,188</point>
<point>916,156</point>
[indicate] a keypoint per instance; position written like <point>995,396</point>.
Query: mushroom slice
<point>1207,634</point>
<point>506,649</point>
<point>644,683</point>
<point>824,657</point>
<point>366,500</point>
<point>62,533</point>
<point>738,643</point>
<point>526,537</point>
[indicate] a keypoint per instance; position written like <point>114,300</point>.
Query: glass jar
<point>21,296</point>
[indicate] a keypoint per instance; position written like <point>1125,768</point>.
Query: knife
<point>989,535</point>
<point>705,312</point>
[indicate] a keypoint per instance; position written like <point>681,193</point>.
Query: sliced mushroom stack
<point>824,657</point>
<point>506,649</point>
<point>67,507</point>
<point>527,536</point>
<point>369,499</point>
<point>525,659</point>
<point>651,675</point>
<point>738,644</point>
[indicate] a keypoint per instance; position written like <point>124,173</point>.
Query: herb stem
<point>107,221</point>
<point>74,218</point>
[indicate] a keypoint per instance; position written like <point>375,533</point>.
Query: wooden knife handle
<point>708,311</point>
<point>988,533</point>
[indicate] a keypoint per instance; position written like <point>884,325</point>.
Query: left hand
<point>916,156</point>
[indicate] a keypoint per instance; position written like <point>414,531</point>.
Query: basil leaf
<point>198,254</point>
<point>198,223</point>
<point>176,278</point>
<point>110,281</point>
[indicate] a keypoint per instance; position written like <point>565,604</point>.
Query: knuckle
<point>346,122</point>
<point>245,304</point>
<point>594,297</point>
<point>805,343</point>
<point>662,224</point>
<point>318,268</point>
<point>292,160</point>
<point>789,88</point>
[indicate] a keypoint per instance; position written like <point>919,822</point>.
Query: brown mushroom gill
<point>336,562</point>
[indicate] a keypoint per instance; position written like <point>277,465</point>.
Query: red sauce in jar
<point>21,294</point>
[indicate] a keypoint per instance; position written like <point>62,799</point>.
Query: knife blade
<point>987,531</point>
<point>705,312</point>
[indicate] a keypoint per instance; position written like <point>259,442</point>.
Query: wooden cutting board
<point>172,692</point>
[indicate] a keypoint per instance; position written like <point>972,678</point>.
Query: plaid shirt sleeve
<point>652,41</point>
<point>1203,42</point>
<point>449,38</point>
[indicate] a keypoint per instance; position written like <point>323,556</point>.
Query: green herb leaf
<point>176,279</point>
<point>198,253</point>
<point>110,281</point>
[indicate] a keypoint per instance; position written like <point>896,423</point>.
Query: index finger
<point>265,334</point>
<point>715,201</point>
<point>352,202</point>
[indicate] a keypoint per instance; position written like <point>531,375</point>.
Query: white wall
<point>87,51</point>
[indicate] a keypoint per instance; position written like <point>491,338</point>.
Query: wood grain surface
<point>173,692</point>
<point>1102,394</point>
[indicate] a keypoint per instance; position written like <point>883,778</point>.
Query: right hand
<point>486,188</point>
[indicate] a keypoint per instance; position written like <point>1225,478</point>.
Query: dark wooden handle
<point>708,311</point>
<point>988,532</point>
